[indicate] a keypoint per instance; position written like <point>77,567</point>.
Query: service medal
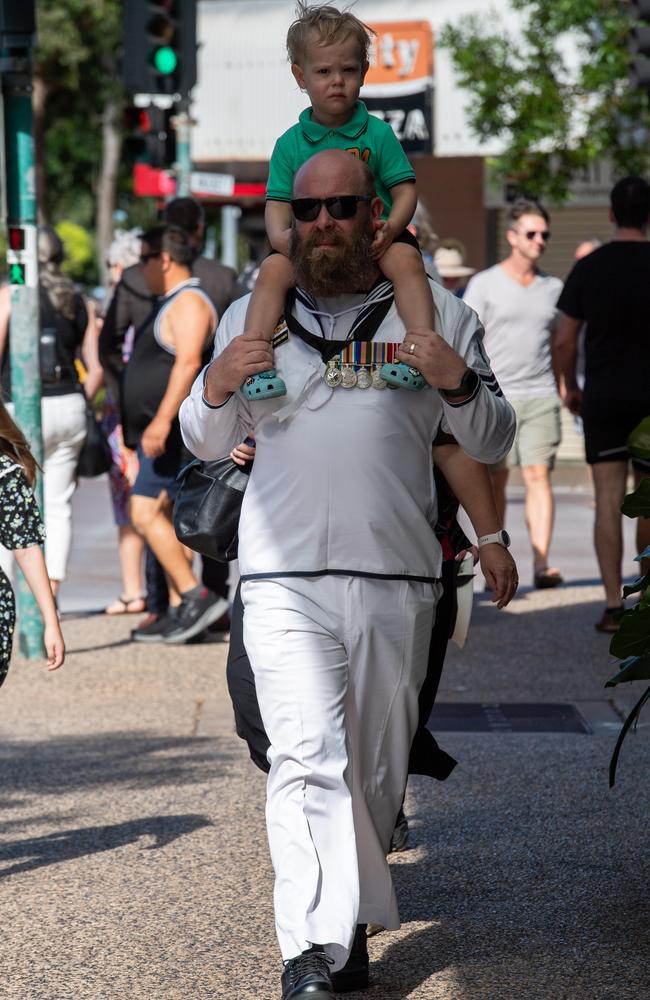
<point>348,378</point>
<point>364,379</point>
<point>333,376</point>
<point>377,381</point>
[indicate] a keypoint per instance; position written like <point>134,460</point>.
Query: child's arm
<point>32,564</point>
<point>277,219</point>
<point>405,200</point>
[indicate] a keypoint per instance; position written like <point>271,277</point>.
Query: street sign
<point>211,185</point>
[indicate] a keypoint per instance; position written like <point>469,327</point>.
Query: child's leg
<point>265,308</point>
<point>274,280</point>
<point>402,264</point>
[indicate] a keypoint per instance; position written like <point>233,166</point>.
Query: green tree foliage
<point>75,71</point>
<point>553,116</point>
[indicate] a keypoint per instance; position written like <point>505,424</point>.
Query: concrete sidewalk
<point>133,858</point>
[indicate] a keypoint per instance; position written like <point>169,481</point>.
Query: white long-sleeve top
<point>342,480</point>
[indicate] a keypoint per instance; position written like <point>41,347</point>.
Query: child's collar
<point>352,129</point>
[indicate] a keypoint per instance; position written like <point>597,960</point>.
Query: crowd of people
<point>375,381</point>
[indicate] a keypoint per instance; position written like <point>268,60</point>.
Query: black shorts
<point>158,474</point>
<point>608,424</point>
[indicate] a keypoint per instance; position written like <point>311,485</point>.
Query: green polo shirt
<point>363,135</point>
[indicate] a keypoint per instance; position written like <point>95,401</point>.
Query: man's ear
<point>376,207</point>
<point>510,236</point>
<point>298,75</point>
<point>165,260</point>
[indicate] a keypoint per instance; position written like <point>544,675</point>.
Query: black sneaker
<point>400,839</point>
<point>198,609</point>
<point>355,973</point>
<point>308,976</point>
<point>152,627</point>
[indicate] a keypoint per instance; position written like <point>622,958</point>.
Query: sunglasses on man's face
<point>531,234</point>
<point>343,206</point>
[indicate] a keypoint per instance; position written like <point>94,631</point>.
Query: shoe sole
<point>210,615</point>
<point>147,638</point>
<point>349,983</point>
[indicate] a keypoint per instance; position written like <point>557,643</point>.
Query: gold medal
<point>364,379</point>
<point>348,378</point>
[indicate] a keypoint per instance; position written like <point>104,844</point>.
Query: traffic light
<point>159,47</point>
<point>149,136</point>
<point>17,24</point>
<point>639,45</point>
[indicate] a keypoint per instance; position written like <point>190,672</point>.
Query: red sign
<point>149,182</point>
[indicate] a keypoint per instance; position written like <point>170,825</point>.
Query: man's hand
<point>431,354</point>
<point>384,236</point>
<point>500,572</point>
<point>572,398</point>
<point>155,436</point>
<point>244,356</point>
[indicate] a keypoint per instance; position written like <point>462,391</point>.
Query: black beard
<point>348,268</point>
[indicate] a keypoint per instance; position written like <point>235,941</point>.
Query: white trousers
<point>338,664</point>
<point>63,420</point>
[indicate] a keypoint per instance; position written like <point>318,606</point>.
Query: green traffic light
<point>165,60</point>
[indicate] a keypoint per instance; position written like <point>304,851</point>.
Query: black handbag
<point>207,507</point>
<point>95,456</point>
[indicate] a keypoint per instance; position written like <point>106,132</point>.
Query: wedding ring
<point>412,349</point>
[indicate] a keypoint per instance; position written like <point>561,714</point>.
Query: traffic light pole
<point>22,260</point>
<point>182,124</point>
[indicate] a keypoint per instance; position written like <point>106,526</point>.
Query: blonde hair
<point>14,445</point>
<point>329,25</point>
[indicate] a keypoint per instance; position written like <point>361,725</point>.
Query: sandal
<point>546,578</point>
<point>124,605</point>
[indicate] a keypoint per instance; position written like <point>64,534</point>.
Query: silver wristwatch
<point>499,537</point>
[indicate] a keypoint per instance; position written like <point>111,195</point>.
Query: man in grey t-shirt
<point>516,302</point>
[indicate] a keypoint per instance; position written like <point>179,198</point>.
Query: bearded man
<point>339,562</point>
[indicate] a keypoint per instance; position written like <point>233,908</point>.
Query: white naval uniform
<point>340,570</point>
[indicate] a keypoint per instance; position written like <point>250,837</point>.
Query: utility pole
<point>182,124</point>
<point>17,29</point>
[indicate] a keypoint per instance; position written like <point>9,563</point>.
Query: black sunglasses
<point>546,235</point>
<point>344,206</point>
<point>144,257</point>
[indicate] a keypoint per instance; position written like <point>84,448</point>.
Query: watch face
<point>506,538</point>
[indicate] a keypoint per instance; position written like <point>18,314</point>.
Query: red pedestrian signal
<point>16,238</point>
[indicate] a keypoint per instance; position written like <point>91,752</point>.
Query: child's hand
<point>384,236</point>
<point>244,452</point>
<point>54,645</point>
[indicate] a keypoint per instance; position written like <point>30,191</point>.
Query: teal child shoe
<point>402,376</point>
<point>265,385</point>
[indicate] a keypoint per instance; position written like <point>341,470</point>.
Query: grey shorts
<point>538,434</point>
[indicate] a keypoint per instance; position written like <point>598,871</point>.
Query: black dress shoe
<point>308,976</point>
<point>354,974</point>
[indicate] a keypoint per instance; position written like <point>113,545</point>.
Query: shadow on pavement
<point>57,766</point>
<point>70,844</point>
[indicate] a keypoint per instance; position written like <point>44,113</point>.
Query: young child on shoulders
<point>21,530</point>
<point>328,50</point>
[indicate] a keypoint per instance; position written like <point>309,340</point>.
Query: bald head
<point>333,172</point>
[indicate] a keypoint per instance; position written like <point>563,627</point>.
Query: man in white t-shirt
<point>339,562</point>
<point>516,302</point>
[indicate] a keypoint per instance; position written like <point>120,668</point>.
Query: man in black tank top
<point>168,351</point>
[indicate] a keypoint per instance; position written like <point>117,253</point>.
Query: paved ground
<point>133,861</point>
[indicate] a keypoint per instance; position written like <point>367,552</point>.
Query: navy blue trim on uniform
<point>211,406</point>
<point>342,572</point>
<point>463,402</point>
<point>491,382</point>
